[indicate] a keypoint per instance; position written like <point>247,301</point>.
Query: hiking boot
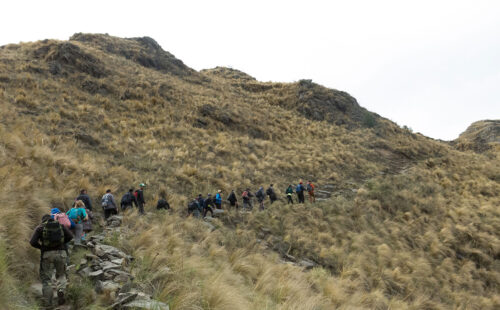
<point>60,297</point>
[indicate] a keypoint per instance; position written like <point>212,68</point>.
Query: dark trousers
<point>300,196</point>
<point>290,199</point>
<point>140,205</point>
<point>109,212</point>
<point>206,210</point>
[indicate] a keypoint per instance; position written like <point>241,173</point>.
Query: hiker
<point>300,192</point>
<point>218,199</point>
<point>87,225</point>
<point>77,215</point>
<point>289,193</point>
<point>128,200</point>
<point>207,206</point>
<point>51,238</point>
<point>162,202</point>
<point>310,191</point>
<point>247,200</point>
<point>194,208</point>
<point>260,195</point>
<point>140,198</point>
<point>271,193</point>
<point>233,202</point>
<point>85,198</point>
<point>108,204</point>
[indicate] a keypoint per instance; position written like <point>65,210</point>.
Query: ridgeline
<point>406,222</point>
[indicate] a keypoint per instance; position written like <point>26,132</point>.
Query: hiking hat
<point>55,211</point>
<point>219,191</point>
<point>142,185</point>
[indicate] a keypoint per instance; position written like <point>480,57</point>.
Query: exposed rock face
<point>144,51</point>
<point>479,136</point>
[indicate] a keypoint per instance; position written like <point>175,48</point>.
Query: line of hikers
<point>58,228</point>
<point>201,206</point>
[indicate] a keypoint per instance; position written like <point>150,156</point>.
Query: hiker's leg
<point>45,277</point>
<point>141,208</point>
<point>60,266</point>
<point>78,233</point>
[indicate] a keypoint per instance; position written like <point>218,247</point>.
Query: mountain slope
<point>412,222</point>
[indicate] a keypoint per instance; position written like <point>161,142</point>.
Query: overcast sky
<point>431,65</point>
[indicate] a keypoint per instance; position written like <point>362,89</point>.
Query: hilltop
<point>406,221</point>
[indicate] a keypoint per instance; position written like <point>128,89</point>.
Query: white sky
<point>431,65</point>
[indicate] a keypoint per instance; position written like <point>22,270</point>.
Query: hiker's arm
<point>34,239</point>
<point>68,235</point>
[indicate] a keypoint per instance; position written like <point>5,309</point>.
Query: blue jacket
<point>218,198</point>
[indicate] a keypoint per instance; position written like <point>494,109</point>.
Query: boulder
<point>85,272</point>
<point>109,265</point>
<point>36,289</point>
<point>102,250</point>
<point>209,225</point>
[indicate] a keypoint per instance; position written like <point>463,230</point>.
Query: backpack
<point>63,219</point>
<point>136,193</point>
<point>269,191</point>
<point>299,188</point>
<point>52,234</point>
<point>105,200</point>
<point>126,199</point>
<point>162,204</point>
<point>193,206</point>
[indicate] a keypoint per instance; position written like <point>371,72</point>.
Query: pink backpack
<point>63,219</point>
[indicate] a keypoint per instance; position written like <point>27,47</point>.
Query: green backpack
<point>52,234</point>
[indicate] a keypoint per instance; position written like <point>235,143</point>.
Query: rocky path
<point>108,268</point>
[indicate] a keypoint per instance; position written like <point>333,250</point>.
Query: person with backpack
<point>78,215</point>
<point>128,200</point>
<point>207,204</point>
<point>310,191</point>
<point>85,198</point>
<point>260,195</point>
<point>162,202</point>
<point>194,208</point>
<point>246,196</point>
<point>289,194</point>
<point>233,201</point>
<point>87,225</point>
<point>271,193</point>
<point>140,198</point>
<point>300,192</point>
<point>218,199</point>
<point>108,204</point>
<point>51,238</point>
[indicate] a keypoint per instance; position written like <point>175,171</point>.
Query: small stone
<point>118,261</point>
<point>36,289</point>
<point>146,304</point>
<point>121,278</point>
<point>96,274</point>
<point>83,261</point>
<point>109,265</point>
<point>123,298</point>
<point>70,268</point>
<point>85,272</point>
<point>307,263</point>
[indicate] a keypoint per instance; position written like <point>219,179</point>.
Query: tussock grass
<point>412,224</point>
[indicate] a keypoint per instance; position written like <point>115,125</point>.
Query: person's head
<point>83,191</point>
<point>200,195</point>
<point>46,217</point>
<point>209,195</point>
<point>79,204</point>
<point>219,191</point>
<point>108,191</point>
<point>300,182</point>
<point>232,191</point>
<point>142,185</point>
<point>261,187</point>
<point>131,190</point>
<point>271,185</point>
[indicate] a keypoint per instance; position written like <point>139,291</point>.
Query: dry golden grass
<point>413,224</point>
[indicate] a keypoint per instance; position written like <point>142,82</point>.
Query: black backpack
<point>52,234</point>
<point>127,199</point>
<point>193,206</point>
<point>162,204</point>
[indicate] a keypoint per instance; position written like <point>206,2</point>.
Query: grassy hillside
<point>412,222</point>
